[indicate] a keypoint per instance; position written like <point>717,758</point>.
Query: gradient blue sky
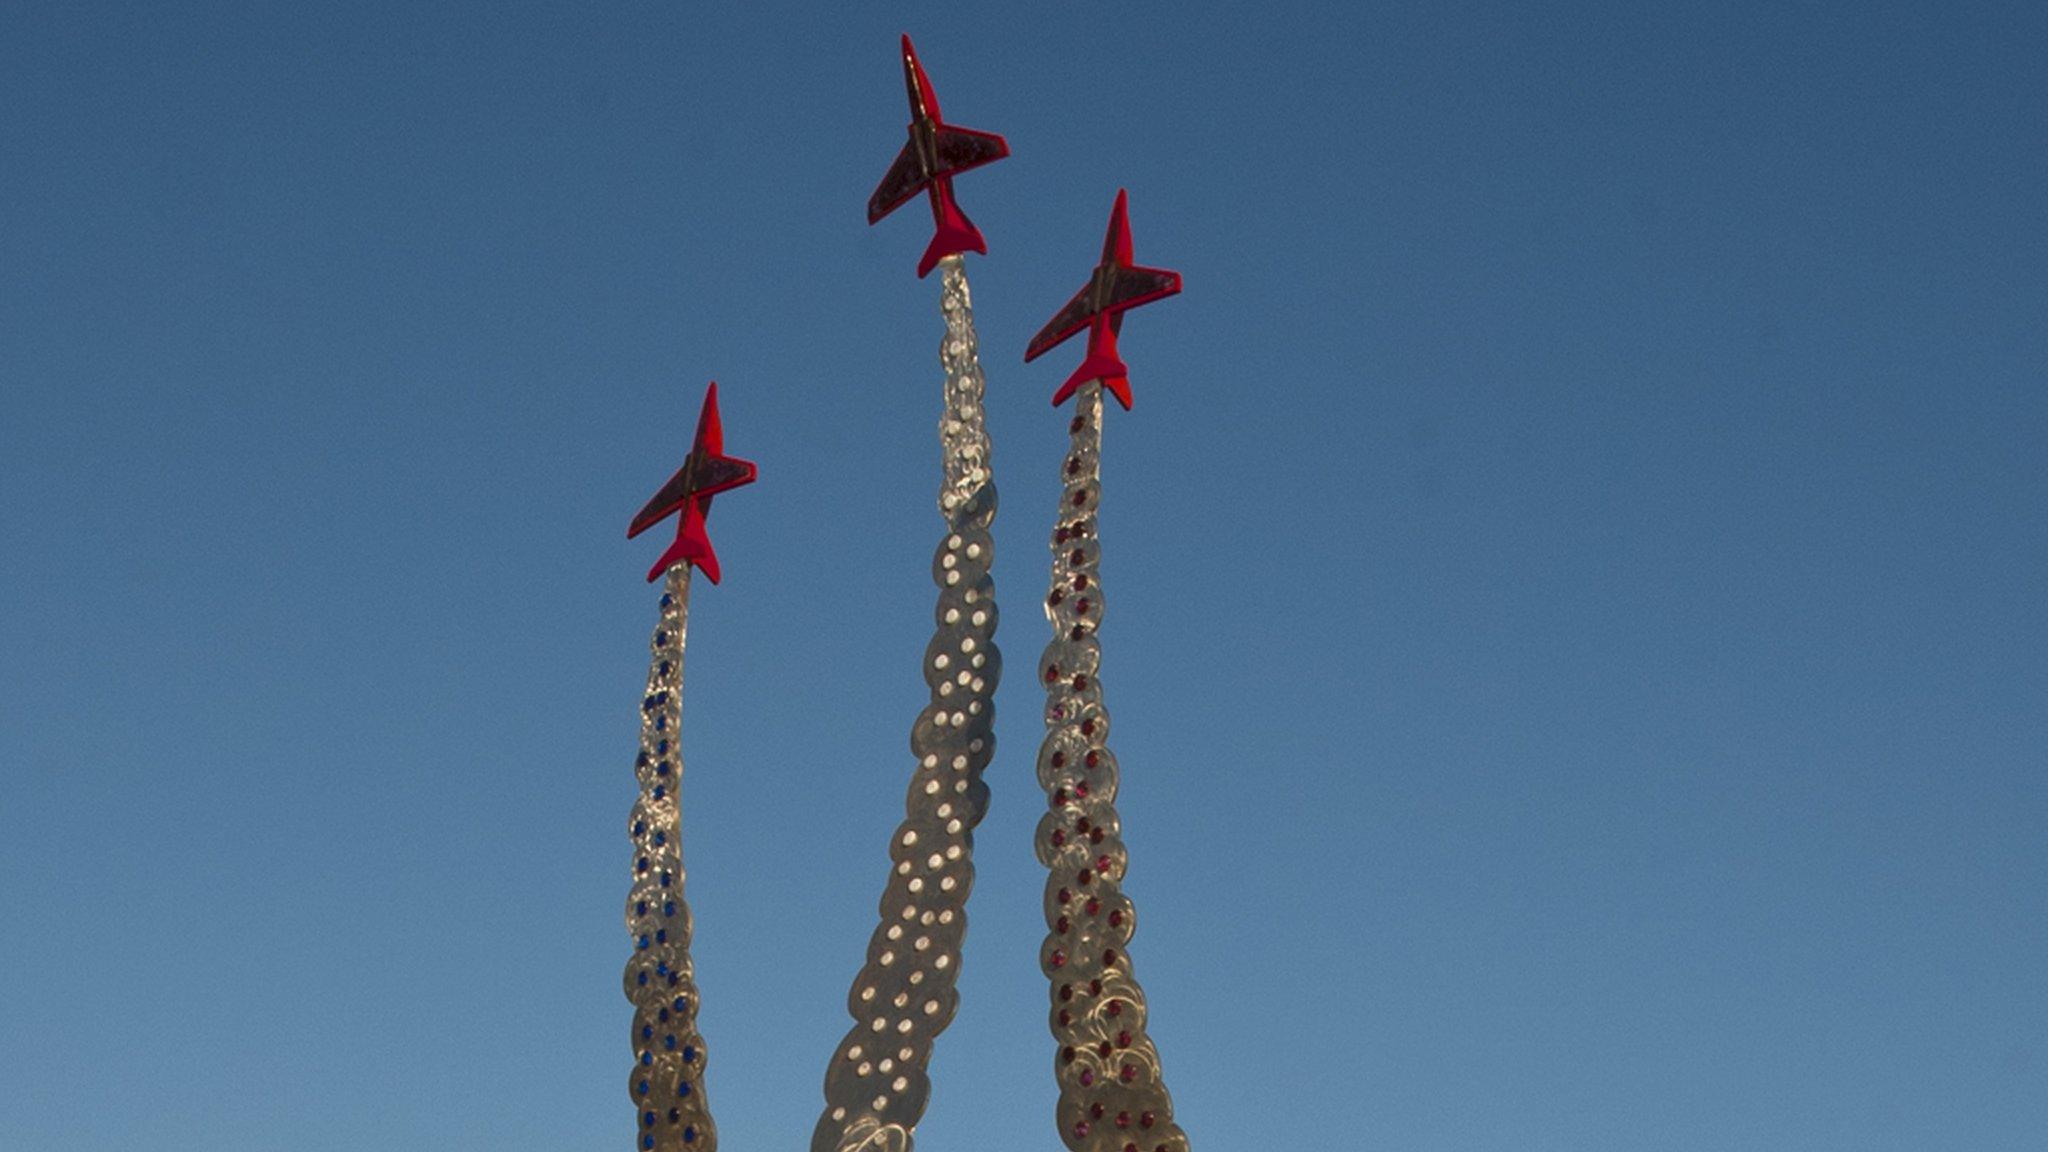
<point>1577,565</point>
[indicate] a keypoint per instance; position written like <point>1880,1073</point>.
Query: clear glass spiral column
<point>1112,1095</point>
<point>667,1081</point>
<point>876,1087</point>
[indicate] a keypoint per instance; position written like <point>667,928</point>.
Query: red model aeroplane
<point>937,152</point>
<point>706,472</point>
<point>1116,287</point>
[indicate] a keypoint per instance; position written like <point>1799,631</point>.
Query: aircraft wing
<point>711,475</point>
<point>963,148</point>
<point>1069,320</point>
<point>1135,286</point>
<point>719,473</point>
<point>900,183</point>
<point>662,503</point>
<point>957,149</point>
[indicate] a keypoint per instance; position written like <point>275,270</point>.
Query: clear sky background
<point>1578,636</point>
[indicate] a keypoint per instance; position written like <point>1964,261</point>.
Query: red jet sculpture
<point>937,152</point>
<point>706,472</point>
<point>1116,287</point>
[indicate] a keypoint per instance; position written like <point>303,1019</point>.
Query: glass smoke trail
<point>905,995</point>
<point>667,1081</point>
<point>1112,1095</point>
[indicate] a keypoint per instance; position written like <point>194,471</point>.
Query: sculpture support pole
<point>667,1082</point>
<point>876,1087</point>
<point>1112,1095</point>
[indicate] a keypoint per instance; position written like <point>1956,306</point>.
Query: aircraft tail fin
<point>1099,366</point>
<point>953,234</point>
<point>1103,363</point>
<point>692,546</point>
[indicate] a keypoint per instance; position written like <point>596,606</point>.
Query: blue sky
<point>1578,634</point>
